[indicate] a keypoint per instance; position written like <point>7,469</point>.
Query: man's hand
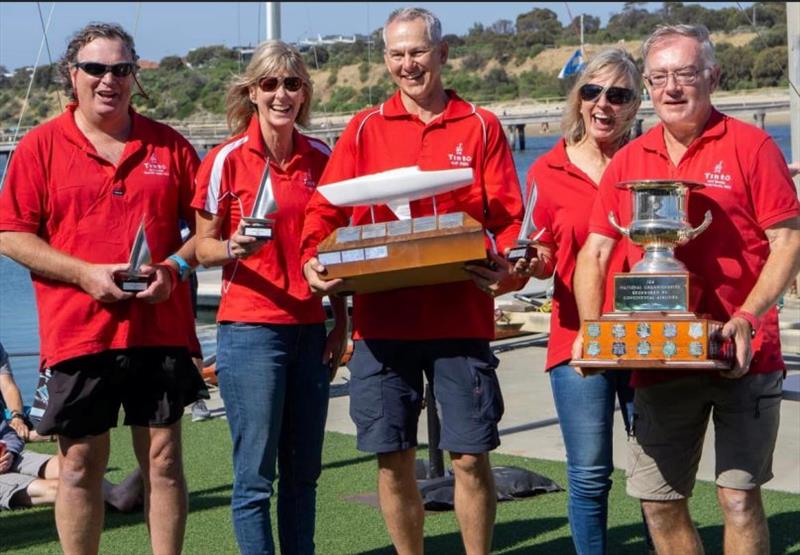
<point>160,288</point>
<point>794,169</point>
<point>21,428</point>
<point>335,347</point>
<point>495,280</point>
<point>312,270</point>
<point>98,281</point>
<point>242,246</point>
<point>739,330</point>
<point>6,461</point>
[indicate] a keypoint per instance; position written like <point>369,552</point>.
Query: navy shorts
<point>153,384</point>
<point>386,393</point>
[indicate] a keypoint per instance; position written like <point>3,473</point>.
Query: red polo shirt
<point>269,286</point>
<point>387,137</point>
<point>565,195</point>
<point>59,188</point>
<point>747,189</point>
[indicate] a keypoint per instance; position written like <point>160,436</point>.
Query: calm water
<point>18,318</point>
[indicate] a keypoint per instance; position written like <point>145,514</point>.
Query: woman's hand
<point>335,347</point>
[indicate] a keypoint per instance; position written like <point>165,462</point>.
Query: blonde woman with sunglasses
<point>598,116</point>
<point>274,359</point>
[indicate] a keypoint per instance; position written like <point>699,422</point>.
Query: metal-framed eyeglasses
<point>683,76</point>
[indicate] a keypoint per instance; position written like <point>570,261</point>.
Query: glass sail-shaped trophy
<point>133,279</point>
<point>257,224</point>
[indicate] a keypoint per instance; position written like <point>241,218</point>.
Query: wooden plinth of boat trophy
<point>634,337</point>
<point>403,253</point>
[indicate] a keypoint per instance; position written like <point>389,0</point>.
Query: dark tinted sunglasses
<point>271,84</point>
<point>96,69</point>
<point>614,95</point>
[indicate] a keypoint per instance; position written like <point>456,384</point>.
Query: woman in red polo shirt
<point>598,117</point>
<point>274,362</point>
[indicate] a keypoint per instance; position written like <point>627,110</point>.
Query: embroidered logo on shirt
<point>308,181</point>
<point>717,178</point>
<point>153,167</point>
<point>458,159</point>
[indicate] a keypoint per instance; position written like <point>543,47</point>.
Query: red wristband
<point>752,319</point>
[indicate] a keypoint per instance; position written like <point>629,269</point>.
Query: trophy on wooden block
<point>381,256</point>
<point>653,325</point>
<point>257,224</point>
<point>526,244</point>
<point>132,279</point>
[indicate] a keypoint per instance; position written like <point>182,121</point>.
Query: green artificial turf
<point>534,525</point>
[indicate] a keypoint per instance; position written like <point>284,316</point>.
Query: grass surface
<point>534,525</point>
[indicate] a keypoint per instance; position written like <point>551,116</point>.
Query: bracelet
<point>750,318</point>
<point>228,248</point>
<point>17,414</point>
<point>183,267</point>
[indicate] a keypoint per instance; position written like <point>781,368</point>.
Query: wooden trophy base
<point>654,341</point>
<point>403,253</point>
<point>133,282</point>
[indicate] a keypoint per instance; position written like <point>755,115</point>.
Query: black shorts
<point>153,384</point>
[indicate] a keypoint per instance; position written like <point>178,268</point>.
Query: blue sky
<point>164,28</point>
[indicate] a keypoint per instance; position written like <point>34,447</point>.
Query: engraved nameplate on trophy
<point>652,325</point>
<point>425,250</point>
<point>257,224</point>
<point>133,279</point>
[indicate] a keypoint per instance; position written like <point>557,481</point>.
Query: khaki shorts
<point>26,469</point>
<point>670,421</point>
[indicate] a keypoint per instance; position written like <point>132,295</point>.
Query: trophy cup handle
<point>692,233</point>
<point>623,230</point>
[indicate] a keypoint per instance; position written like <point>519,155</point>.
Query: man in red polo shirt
<point>746,259</point>
<point>77,189</point>
<point>443,330</point>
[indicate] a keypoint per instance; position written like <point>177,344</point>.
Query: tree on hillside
<point>205,54</point>
<point>171,63</point>
<point>769,67</point>
<point>502,27</point>
<point>539,20</point>
<point>736,65</point>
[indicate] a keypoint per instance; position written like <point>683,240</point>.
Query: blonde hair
<point>620,64</point>
<point>270,58</point>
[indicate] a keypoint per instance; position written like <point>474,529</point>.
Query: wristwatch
<point>17,414</point>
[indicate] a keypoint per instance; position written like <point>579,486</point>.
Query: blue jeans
<point>586,414</point>
<point>275,388</point>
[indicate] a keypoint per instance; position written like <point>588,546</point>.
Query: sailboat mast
<point>273,20</point>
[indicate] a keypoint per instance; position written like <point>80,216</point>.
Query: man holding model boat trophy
<point>440,329</point>
<point>738,268</point>
<point>85,192</point>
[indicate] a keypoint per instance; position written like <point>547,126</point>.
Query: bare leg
<point>672,528</point>
<point>166,503</point>
<point>475,501</point>
<point>400,501</point>
<point>38,492</point>
<point>79,500</point>
<point>746,530</point>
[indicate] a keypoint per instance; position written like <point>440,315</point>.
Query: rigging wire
<point>136,19</point>
<point>47,46</point>
<point>28,92</point>
<point>784,67</point>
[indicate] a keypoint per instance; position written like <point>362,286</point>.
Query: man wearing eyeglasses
<point>746,259</point>
<point>77,189</point>
<point>441,330</point>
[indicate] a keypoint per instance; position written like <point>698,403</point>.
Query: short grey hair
<point>433,27</point>
<point>697,32</point>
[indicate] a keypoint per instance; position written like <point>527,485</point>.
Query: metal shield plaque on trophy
<point>652,325</point>
<point>132,279</point>
<point>257,224</point>
<point>425,250</point>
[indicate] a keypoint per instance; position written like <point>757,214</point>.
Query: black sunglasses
<point>270,84</point>
<point>614,95</point>
<point>96,69</point>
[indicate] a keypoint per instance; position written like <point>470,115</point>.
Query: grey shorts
<point>25,470</point>
<point>670,421</point>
